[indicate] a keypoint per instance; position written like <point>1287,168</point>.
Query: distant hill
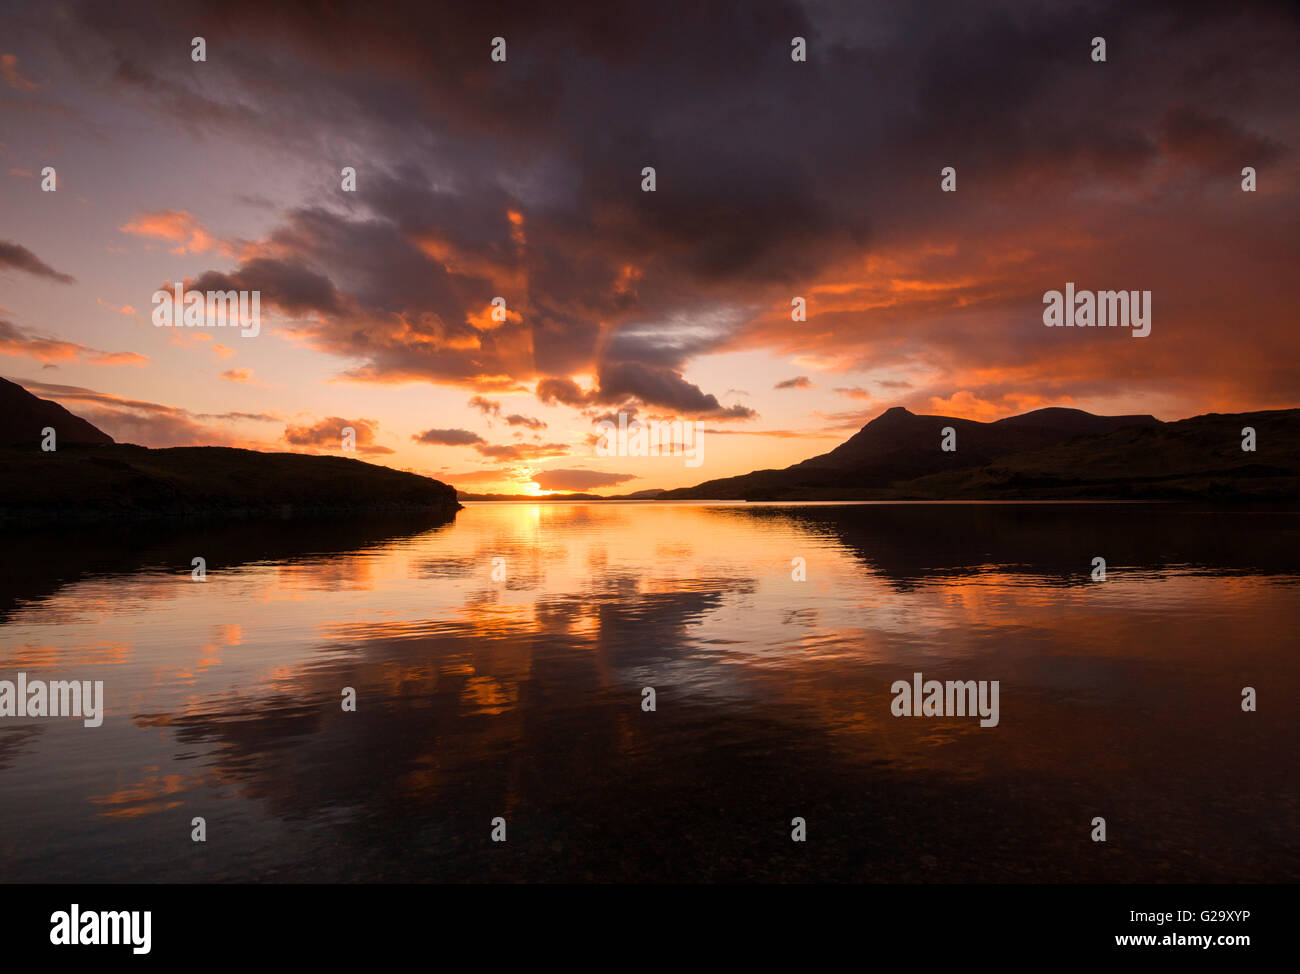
<point>88,477</point>
<point>23,417</point>
<point>1048,453</point>
<point>899,444</point>
<point>1198,458</point>
<point>125,481</point>
<point>649,494</point>
<point>462,495</point>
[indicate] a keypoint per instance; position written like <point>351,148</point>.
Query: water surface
<point>521,698</point>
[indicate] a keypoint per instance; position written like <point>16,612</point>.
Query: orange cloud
<point>179,227</point>
<point>126,309</point>
<point>969,406</point>
<point>12,77</point>
<point>118,358</point>
<point>484,320</point>
<point>328,433</point>
<point>20,341</point>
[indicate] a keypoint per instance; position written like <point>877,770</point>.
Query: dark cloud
<point>579,479</point>
<point>669,344</point>
<point>1217,146</point>
<point>619,382</point>
<point>560,390</point>
<point>798,382</point>
<point>448,437</point>
<point>19,258</point>
<point>628,412</point>
<point>663,388</point>
<point>522,180</point>
<point>284,284</point>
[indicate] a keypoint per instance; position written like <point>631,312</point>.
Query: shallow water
<point>522,698</point>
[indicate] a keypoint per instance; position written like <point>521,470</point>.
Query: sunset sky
<point>775,179</point>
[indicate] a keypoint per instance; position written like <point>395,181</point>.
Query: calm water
<point>522,698</point>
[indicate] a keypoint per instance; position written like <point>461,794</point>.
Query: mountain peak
<point>893,414</point>
<point>24,416</point>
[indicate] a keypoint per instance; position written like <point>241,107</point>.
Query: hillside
<point>1046,454</point>
<point>89,477</point>
<point>1197,458</point>
<point>125,481</point>
<point>23,417</point>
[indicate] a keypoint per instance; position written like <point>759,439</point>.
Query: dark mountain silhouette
<point>88,477</point>
<point>126,481</point>
<point>1057,419</point>
<point>24,417</point>
<point>899,444</point>
<point>1197,458</point>
<point>1045,454</point>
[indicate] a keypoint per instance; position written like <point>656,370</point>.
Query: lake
<point>499,663</point>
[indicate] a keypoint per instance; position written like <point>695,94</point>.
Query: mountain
<point>88,477</point>
<point>1192,459</point>
<point>76,483</point>
<point>899,445</point>
<point>24,417</point>
<point>1048,454</point>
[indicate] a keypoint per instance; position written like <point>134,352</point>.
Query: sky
<point>522,179</point>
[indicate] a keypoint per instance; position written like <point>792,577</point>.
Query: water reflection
<point>521,697</point>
